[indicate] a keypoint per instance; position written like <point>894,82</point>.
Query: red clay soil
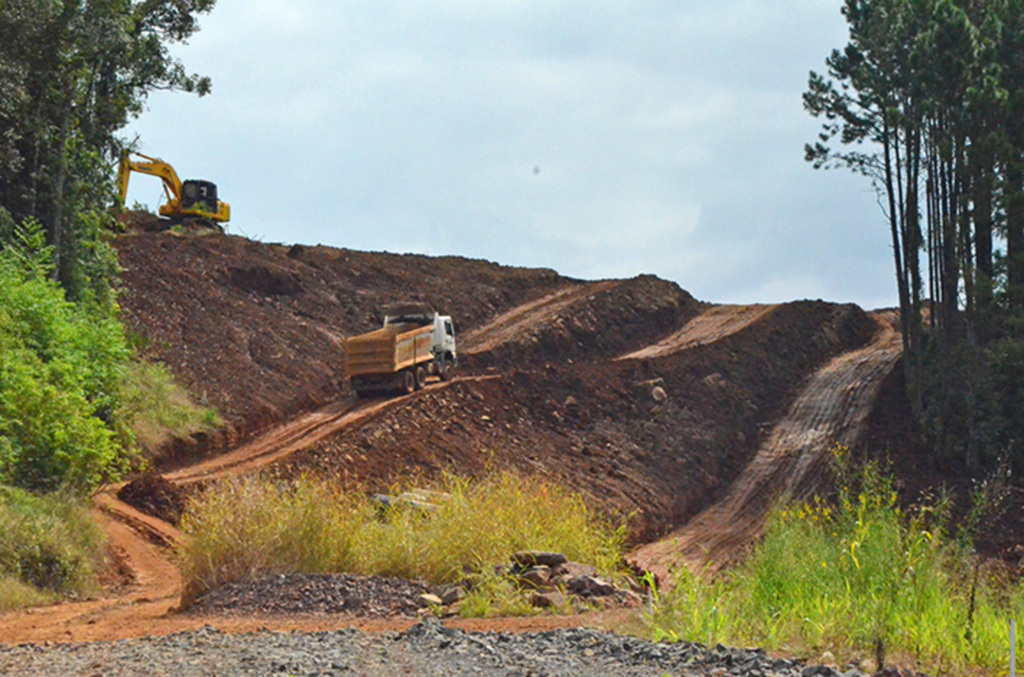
<point>598,427</point>
<point>832,410</point>
<point>256,329</point>
<point>699,398</point>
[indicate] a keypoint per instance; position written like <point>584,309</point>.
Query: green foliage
<point>73,74</point>
<point>157,409</point>
<point>61,370</point>
<point>859,578</point>
<point>251,527</point>
<point>927,100</point>
<point>49,546</point>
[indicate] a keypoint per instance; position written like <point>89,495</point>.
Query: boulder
<point>590,586</point>
<point>539,577</point>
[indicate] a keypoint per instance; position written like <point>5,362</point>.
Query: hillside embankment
<point>652,404</point>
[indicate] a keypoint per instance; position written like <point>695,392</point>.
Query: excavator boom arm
<point>151,166</point>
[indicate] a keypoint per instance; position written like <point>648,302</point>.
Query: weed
<point>248,528</point>
<point>158,409</point>
<point>858,578</point>
<point>49,547</point>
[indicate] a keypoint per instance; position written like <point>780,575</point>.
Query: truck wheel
<point>447,369</point>
<point>407,382</point>
<point>421,377</point>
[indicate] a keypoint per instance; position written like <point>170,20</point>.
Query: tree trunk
<point>1015,235</point>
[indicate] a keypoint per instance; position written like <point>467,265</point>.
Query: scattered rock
<point>539,576</point>
<point>574,570</point>
<point>552,599</point>
<point>373,596</point>
<point>591,586</point>
<point>427,648</point>
<point>430,599</point>
<point>452,594</point>
<point>529,558</point>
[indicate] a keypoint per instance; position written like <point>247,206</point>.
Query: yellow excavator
<point>192,198</point>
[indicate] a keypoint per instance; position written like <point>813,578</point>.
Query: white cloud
<point>601,139</point>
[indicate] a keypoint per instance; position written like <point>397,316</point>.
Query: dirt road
<point>831,410</point>
<point>513,324</point>
<point>708,327</point>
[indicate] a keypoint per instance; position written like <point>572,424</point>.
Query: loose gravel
<point>317,594</point>
<point>428,648</point>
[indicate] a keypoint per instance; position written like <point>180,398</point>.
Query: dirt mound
<point>597,426</point>
<point>374,596</point>
<point>256,329</point>
<point>831,410</point>
<point>154,495</point>
<point>583,321</point>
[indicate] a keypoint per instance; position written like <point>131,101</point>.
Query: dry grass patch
<point>247,528</point>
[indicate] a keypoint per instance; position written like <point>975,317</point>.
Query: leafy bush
<point>49,546</point>
<point>62,367</point>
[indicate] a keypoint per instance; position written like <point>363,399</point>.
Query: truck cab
<point>443,332</point>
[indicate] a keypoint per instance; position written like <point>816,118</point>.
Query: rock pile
<point>557,583</point>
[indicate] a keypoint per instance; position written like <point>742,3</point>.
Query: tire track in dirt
<point>298,434</point>
<point>708,327</point>
<point>152,594</point>
<point>832,409</point>
<point>514,323</point>
<point>143,542</point>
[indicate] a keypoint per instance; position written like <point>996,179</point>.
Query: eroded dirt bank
<point>631,391</point>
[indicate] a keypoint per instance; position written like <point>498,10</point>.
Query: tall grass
<point>158,409</point>
<point>49,548</point>
<point>861,579</point>
<point>245,528</point>
<point>249,527</point>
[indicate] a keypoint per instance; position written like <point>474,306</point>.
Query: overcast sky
<point>601,139</point>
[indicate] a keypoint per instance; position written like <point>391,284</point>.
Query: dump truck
<point>414,344</point>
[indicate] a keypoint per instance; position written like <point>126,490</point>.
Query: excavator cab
<point>198,194</point>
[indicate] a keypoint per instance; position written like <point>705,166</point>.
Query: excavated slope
<point>832,409</point>
<point>661,433</point>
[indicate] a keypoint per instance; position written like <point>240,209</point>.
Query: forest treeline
<point>73,73</point>
<point>927,100</point>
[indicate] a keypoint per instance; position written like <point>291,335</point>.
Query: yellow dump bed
<point>388,350</point>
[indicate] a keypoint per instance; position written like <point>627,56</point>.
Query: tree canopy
<point>927,100</point>
<point>72,74</point>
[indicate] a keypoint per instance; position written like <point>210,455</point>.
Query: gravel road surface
<point>428,648</point>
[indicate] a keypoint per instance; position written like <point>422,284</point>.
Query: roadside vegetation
<point>158,409</point>
<point>859,579</point>
<point>75,400</point>
<point>49,548</point>
<point>252,527</point>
